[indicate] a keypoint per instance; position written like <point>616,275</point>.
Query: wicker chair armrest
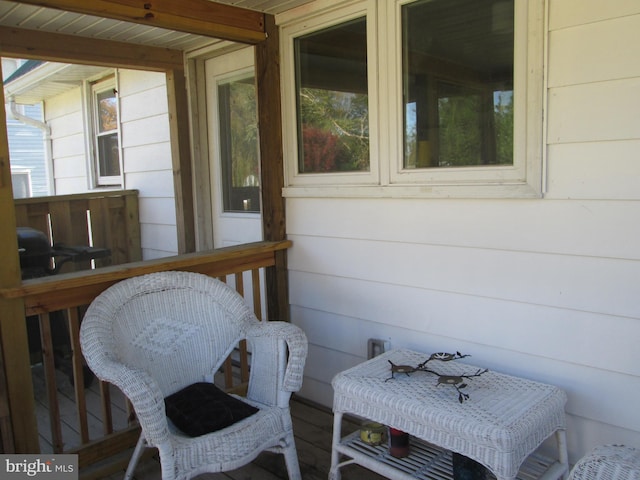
<point>266,336</point>
<point>145,396</point>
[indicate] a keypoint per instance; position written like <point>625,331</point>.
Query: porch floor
<point>312,426</point>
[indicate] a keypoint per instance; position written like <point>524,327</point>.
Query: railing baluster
<point>78,372</point>
<point>107,418</point>
<point>48,363</point>
<point>257,293</point>
<point>244,362</point>
<point>6,429</point>
<point>228,363</point>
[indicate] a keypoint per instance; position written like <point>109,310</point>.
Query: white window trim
<point>94,87</point>
<point>289,134</point>
<point>387,177</point>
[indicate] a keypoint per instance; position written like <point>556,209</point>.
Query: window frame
<point>94,89</point>
<point>313,24</point>
<point>522,178</point>
<point>224,179</point>
<point>387,176</point>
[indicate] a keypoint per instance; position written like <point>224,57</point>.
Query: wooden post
<point>181,158</point>
<point>20,432</point>
<point>271,166</point>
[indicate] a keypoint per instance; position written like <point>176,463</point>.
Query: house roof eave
<point>47,80</point>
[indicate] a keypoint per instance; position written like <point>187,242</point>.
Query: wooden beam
<point>202,17</point>
<point>271,167</point>
<point>16,396</point>
<point>181,158</point>
<point>55,47</point>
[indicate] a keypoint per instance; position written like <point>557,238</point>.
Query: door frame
<point>232,66</point>
<point>267,71</point>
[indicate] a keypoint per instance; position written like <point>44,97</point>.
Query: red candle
<point>398,443</point>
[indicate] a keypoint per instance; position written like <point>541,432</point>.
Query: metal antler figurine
<point>456,381</point>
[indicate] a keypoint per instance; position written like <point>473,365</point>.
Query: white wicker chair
<point>608,462</point>
<point>155,334</point>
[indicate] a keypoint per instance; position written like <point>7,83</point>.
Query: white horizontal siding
<point>601,170</point>
<point>146,131</point>
<point>595,52</point>
<point>569,13</point>
<point>64,116</point>
<point>64,104</point>
<point>577,380</point>
<point>69,124</point>
<point>133,82</point>
<point>143,158</point>
<point>594,96</point>
<point>146,153</point>
<point>69,146</point>
<point>146,103</point>
<point>157,183</point>
<point>586,228</point>
<point>595,112</point>
<point>543,288</point>
<point>70,185</point>
<point>159,238</point>
<point>147,158</point>
<point>157,210</point>
<point>534,329</point>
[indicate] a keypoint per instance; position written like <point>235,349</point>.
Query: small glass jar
<point>372,433</point>
<point>398,443</point>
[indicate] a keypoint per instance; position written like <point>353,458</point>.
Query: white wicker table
<point>502,423</point>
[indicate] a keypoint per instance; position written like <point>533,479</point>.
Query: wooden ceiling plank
<point>56,47</point>
<point>201,17</point>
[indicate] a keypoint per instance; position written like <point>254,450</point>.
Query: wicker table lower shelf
<point>505,419</point>
<point>427,461</point>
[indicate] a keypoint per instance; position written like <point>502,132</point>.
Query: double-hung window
<point>106,133</point>
<point>416,98</point>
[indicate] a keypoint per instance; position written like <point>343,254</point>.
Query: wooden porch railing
<point>72,291</point>
<point>102,219</point>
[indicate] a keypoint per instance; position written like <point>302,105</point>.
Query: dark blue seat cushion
<point>203,408</point>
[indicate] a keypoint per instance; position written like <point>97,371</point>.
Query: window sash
<point>239,150</point>
<point>294,175</point>
<point>106,134</point>
<point>388,177</point>
<point>514,174</point>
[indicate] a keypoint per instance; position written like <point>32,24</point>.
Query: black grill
<point>38,258</point>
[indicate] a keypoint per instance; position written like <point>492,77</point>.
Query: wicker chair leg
<point>137,453</point>
<point>291,458</point>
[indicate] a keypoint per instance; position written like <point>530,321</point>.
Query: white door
<point>234,149</point>
<point>234,156</point>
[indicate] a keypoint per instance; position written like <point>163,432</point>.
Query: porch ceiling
<point>34,17</point>
<point>55,78</point>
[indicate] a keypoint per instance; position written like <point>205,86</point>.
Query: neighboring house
<point>106,129</point>
<point>26,147</point>
<point>26,141</point>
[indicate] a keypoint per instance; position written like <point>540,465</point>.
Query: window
<point>332,108</point>
<point>445,99</point>
<point>331,68</point>
<point>239,150</point>
<point>21,182</point>
<point>457,77</point>
<point>106,131</point>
